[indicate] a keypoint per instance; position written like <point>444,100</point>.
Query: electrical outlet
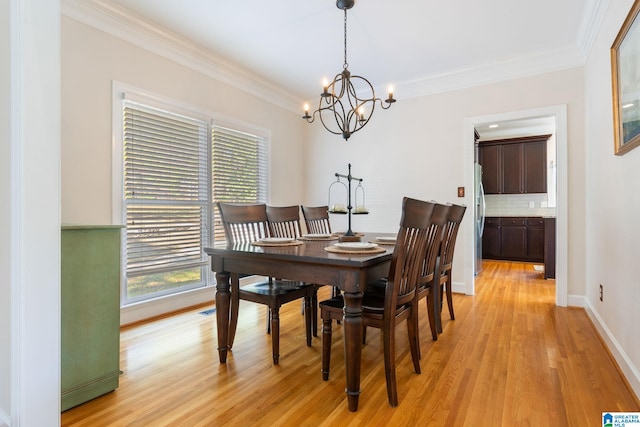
<point>601,292</point>
<point>460,191</point>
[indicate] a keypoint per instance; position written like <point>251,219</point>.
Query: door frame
<point>559,112</point>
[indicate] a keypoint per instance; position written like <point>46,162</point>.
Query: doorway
<point>555,117</point>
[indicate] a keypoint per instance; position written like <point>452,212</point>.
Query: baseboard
<point>628,369</point>
<point>156,307</point>
<point>576,301</point>
<point>458,288</point>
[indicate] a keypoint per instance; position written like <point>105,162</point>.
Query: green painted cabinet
<point>90,329</point>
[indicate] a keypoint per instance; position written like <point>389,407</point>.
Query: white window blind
<point>238,169</point>
<point>165,190</point>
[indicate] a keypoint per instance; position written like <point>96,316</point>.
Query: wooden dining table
<point>311,263</point>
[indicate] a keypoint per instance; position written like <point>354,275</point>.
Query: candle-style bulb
<point>361,114</point>
<point>325,88</point>
<point>390,99</point>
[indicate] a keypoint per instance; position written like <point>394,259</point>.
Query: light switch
<point>460,191</point>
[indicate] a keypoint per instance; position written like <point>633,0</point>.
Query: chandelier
<point>341,108</point>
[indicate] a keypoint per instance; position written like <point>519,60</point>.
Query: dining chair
<point>246,223</point>
<point>456,213</point>
<point>430,266</point>
<point>428,271</point>
<point>316,219</point>
<point>398,303</point>
<point>285,222</point>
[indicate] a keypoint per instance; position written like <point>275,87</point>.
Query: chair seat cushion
<point>275,287</point>
<point>371,302</point>
<point>377,287</point>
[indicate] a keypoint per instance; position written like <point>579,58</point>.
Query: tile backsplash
<point>518,205</point>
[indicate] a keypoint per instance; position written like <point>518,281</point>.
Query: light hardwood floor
<point>511,358</point>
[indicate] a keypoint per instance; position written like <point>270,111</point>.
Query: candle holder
<point>336,208</point>
<point>361,208</point>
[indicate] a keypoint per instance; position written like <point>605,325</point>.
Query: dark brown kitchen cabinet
<point>514,165</point>
<point>535,239</point>
<point>491,238</point>
<point>511,168</point>
<point>490,159</point>
<point>549,248</point>
<point>514,239</point>
<point>534,158</point>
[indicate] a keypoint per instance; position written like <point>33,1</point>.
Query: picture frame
<point>625,73</point>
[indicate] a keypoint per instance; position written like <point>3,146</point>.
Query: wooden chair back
<point>244,223</point>
<point>284,221</point>
<point>434,240</point>
<point>408,254</point>
<point>316,219</point>
<point>430,264</point>
<point>456,213</point>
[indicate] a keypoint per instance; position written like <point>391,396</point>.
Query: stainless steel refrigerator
<point>479,216</point>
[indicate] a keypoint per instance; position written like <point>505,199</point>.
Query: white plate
<point>277,240</point>
<point>386,239</point>
<point>316,235</point>
<point>356,246</point>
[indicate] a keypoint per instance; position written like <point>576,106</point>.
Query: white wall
<point>30,218</point>
<point>417,148</point>
<point>5,219</point>
<point>91,60</point>
<point>613,208</point>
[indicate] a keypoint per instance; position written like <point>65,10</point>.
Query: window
<point>239,168</point>
<point>175,167</point>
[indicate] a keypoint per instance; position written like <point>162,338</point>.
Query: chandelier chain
<point>346,64</point>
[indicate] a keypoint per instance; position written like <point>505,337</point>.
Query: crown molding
<point>495,71</point>
<point>594,13</point>
<point>120,23</point>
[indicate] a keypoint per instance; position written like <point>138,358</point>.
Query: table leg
<point>353,345</point>
<point>223,297</point>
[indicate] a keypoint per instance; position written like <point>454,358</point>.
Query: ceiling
<point>516,128</point>
<point>415,45</point>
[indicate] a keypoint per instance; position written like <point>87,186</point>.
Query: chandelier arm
<point>382,103</point>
